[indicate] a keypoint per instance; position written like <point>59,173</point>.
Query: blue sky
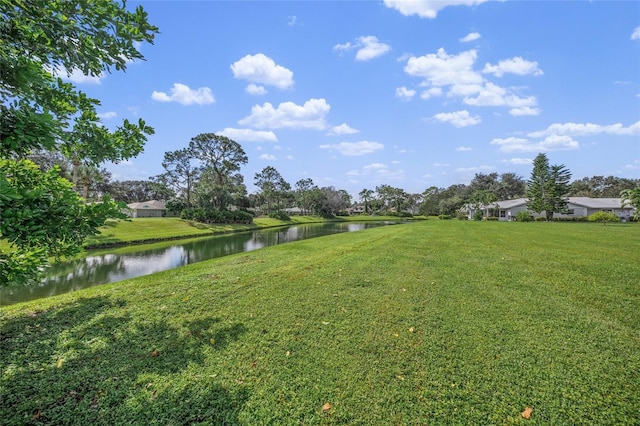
<point>411,94</point>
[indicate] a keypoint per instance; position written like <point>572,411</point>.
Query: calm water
<point>120,264</point>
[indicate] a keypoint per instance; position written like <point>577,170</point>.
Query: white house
<point>576,206</point>
<point>152,208</point>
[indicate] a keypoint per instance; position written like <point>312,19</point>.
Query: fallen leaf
<point>399,377</point>
<point>411,330</point>
<point>254,364</point>
<point>527,413</point>
<point>212,341</point>
<point>326,407</point>
<point>60,362</point>
<point>288,353</point>
<point>155,354</point>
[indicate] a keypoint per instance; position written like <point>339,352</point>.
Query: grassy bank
<point>146,230</point>
<point>436,322</point>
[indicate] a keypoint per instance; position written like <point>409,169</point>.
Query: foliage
<point>631,197</point>
<point>133,191</point>
<point>603,217</point>
<point>452,333</point>
<point>181,173</point>
<point>601,187</point>
<point>211,216</point>
<point>280,215</point>
<point>41,216</point>
<point>304,194</point>
<point>273,187</point>
<point>482,199</point>
<point>548,187</point>
<point>478,215</point>
<point>40,41</point>
<point>444,217</point>
<point>524,216</point>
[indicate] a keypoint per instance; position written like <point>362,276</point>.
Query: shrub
<point>478,215</point>
<point>444,217</point>
<point>603,217</point>
<point>492,218</point>
<point>461,216</point>
<point>523,216</point>
<point>280,215</point>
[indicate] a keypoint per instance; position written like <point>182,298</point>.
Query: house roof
<point>593,203</point>
<point>148,205</point>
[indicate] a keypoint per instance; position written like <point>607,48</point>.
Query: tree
<point>631,197</point>
<point>482,199</point>
<point>272,186</point>
<point>304,190</point>
<point>181,173</point>
<point>132,191</point>
<point>365,196</point>
<point>41,39</point>
<point>548,187</point>
<point>221,159</point>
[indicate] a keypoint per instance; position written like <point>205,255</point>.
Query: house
<point>576,207</point>
<point>152,208</point>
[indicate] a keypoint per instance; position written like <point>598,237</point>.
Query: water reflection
<point>121,264</point>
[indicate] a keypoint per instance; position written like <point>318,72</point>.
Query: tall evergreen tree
<point>548,187</point>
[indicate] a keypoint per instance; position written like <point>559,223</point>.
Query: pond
<point>108,266</point>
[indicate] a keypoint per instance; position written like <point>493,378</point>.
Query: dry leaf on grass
<point>155,354</point>
<point>326,407</point>
<point>527,413</point>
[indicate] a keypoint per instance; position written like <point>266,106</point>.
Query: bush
<point>603,217</point>
<point>493,218</point>
<point>524,216</point>
<point>461,216</point>
<point>444,217</point>
<point>478,215</point>
<point>216,216</point>
<point>280,215</point>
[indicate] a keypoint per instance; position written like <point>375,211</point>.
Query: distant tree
<point>181,174</point>
<point>601,187</point>
<point>631,197</point>
<point>483,199</point>
<point>365,197</point>
<point>413,203</point>
<point>430,201</point>
<point>221,158</point>
<point>271,183</point>
<point>329,202</point>
<point>511,186</point>
<point>304,190</point>
<point>548,187</point>
<point>133,191</point>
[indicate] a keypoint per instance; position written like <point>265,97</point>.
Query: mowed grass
<point>146,230</point>
<point>435,322</point>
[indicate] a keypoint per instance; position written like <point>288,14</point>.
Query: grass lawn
<point>434,322</point>
<point>145,230</point>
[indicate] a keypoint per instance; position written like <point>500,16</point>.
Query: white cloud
<point>515,65</point>
<point>464,148</point>
<point>311,115</point>
<point>430,93</point>
<point>249,135</point>
<point>379,172</point>
<point>519,161</point>
<point>371,48</point>
<point>262,69</point>
<point>587,129</point>
<point>636,34</point>
<point>458,118</point>
<point>268,157</point>
<point>470,37</point>
<point>107,115</point>
<point>405,94</point>
<point>441,69</point>
<point>184,95</point>
<point>518,112</point>
<point>476,169</point>
<point>494,95</point>
<point>368,48</point>
<point>254,89</point>
<point>426,8</point>
<point>343,129</point>
<point>292,21</point>
<point>550,143</point>
<point>354,148</point>
<point>76,76</point>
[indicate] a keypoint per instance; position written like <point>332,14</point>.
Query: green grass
<point>146,230</point>
<point>436,322</point>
